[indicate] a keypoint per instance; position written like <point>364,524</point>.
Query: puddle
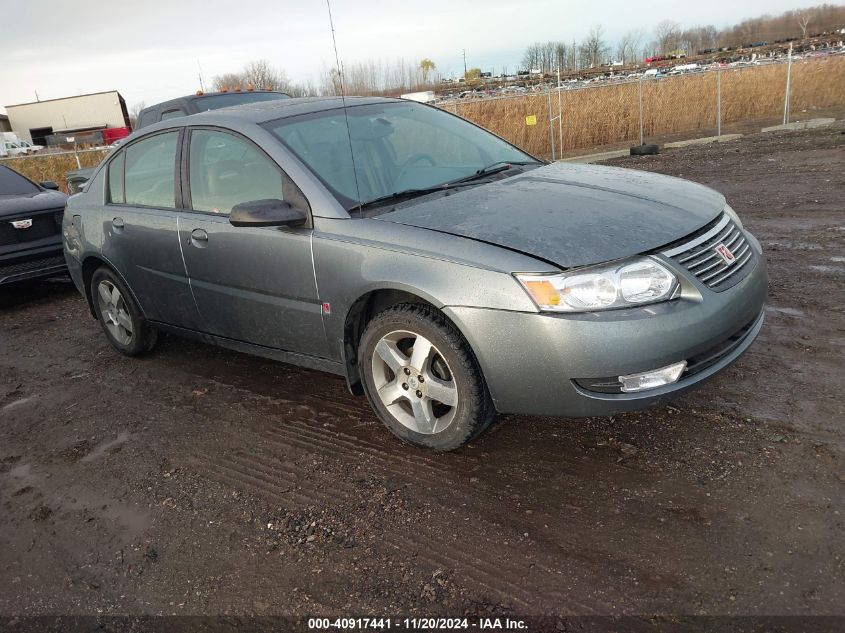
<point>17,403</point>
<point>828,269</point>
<point>788,311</point>
<point>103,448</point>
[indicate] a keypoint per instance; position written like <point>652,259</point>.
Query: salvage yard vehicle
<point>30,228</point>
<point>445,273</point>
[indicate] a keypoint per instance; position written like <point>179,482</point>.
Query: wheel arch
<point>363,309</point>
<point>90,264</point>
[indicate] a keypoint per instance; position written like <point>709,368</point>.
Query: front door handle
<point>199,238</point>
<point>117,223</point>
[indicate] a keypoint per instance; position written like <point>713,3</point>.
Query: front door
<point>254,285</point>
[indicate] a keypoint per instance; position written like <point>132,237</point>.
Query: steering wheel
<point>412,160</point>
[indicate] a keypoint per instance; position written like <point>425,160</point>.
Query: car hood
<point>31,202</point>
<point>571,215</point>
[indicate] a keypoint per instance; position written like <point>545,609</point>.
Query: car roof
<point>264,111</point>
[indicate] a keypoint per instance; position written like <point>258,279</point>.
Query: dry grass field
<point>604,115</point>
<point>53,166</point>
<point>610,114</point>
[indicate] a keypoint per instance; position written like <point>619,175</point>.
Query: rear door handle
<point>199,238</point>
<point>117,223</point>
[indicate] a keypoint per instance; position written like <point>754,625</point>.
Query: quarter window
<point>116,179</point>
<point>226,170</point>
<point>150,178</point>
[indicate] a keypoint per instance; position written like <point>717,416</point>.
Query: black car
<point>30,228</point>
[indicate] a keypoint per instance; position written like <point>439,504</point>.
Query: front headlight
<point>621,285</point>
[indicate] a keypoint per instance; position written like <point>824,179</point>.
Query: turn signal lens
<point>543,292</point>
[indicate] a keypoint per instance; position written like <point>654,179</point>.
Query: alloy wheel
<point>414,382</point>
<point>114,312</point>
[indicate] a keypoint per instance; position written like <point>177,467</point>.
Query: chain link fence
<point>565,120</point>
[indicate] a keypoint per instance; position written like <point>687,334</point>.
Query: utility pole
<point>465,63</point>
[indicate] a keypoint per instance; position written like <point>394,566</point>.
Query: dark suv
<point>202,102</point>
<point>30,228</point>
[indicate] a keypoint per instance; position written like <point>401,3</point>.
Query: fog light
<point>652,379</point>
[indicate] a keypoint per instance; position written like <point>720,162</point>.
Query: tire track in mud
<point>294,428</point>
<point>276,481</point>
<point>499,578</point>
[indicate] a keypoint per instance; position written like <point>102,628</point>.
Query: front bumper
<point>539,363</point>
<point>35,263</point>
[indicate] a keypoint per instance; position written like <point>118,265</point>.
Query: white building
<point>84,113</point>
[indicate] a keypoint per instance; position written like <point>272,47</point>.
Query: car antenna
<point>345,115</point>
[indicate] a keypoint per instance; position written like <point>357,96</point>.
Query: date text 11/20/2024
<point>428,624</point>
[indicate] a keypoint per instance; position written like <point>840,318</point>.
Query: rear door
<point>255,285</point>
<point>141,227</point>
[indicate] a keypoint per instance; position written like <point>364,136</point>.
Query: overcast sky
<point>149,50</point>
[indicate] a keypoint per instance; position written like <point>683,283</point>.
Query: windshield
<point>213,102</point>
<point>396,147</point>
<point>12,183</point>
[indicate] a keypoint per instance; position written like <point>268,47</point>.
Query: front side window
<point>225,170</point>
<point>396,146</point>
<point>150,171</point>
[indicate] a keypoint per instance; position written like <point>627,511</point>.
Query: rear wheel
<point>422,379</point>
<point>119,316</point>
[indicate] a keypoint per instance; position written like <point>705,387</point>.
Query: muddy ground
<point>202,481</point>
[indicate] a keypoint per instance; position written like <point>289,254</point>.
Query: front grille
<point>20,267</point>
<point>43,225</point>
<point>698,254</point>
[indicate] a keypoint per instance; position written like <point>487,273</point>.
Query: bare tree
<point>227,81</point>
<point>594,50</point>
<point>260,74</point>
<point>804,19</point>
<point>667,35</point>
<point>628,45</point>
<point>134,112</point>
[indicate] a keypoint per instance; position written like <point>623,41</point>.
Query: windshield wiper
<point>489,170</point>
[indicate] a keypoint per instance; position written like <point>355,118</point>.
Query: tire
<point>645,150</point>
<point>119,315</point>
<point>410,407</point>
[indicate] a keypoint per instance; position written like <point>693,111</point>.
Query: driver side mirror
<point>49,184</point>
<point>270,212</point>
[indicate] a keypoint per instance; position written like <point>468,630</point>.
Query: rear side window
<point>226,170</point>
<point>172,114</point>
<point>150,171</point>
<point>11,183</point>
<point>116,195</point>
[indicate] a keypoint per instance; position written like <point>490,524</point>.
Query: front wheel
<point>422,380</point>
